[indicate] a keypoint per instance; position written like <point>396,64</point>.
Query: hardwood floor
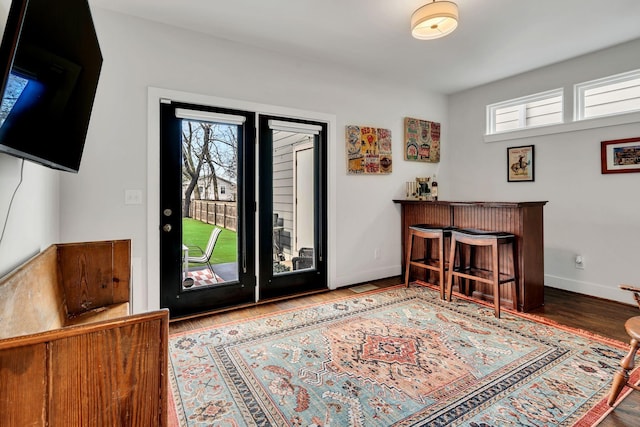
<point>596,315</point>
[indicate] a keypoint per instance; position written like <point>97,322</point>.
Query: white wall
<point>140,54</point>
<point>33,222</point>
<point>588,213</point>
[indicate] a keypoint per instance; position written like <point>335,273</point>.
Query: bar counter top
<point>485,204</point>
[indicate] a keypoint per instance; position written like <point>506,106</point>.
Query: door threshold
<point>247,305</point>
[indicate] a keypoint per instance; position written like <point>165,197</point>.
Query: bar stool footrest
<point>427,263</point>
<point>481,275</point>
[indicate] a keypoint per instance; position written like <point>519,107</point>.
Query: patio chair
<point>303,260</point>
<point>204,256</point>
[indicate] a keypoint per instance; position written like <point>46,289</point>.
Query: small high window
<point>541,109</point>
<point>618,94</point>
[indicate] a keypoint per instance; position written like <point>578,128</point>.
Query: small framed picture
<point>520,163</point>
<point>620,155</point>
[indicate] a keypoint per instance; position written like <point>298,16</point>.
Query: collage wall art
<point>369,148</point>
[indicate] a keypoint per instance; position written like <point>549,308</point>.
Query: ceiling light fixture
<point>434,20</point>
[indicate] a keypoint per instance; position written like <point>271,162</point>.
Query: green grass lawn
<point>196,233</point>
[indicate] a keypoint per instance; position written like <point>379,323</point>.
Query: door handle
<point>166,228</point>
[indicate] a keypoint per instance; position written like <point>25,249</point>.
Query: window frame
<point>579,90</point>
<point>522,103</point>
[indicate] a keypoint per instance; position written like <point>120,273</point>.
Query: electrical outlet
<point>133,197</point>
<point>579,262</point>
<point>376,253</point>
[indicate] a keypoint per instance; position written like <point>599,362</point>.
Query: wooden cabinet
<point>70,353</point>
<point>523,219</point>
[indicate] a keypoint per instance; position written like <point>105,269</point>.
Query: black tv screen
<point>50,62</point>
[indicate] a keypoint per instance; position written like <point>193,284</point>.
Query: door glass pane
<point>293,202</point>
<point>209,204</point>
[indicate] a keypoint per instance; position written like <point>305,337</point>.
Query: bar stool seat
<point>438,264</point>
<point>493,275</point>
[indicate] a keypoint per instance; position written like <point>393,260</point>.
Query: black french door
<point>292,164</point>
<point>208,175</point>
<point>210,152</point>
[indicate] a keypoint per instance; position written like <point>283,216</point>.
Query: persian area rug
<point>392,357</point>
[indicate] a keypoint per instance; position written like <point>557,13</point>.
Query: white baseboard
<point>612,293</point>
<point>365,276</point>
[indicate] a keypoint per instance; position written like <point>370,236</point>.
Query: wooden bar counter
<point>523,219</point>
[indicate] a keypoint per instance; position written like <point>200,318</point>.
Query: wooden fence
<point>222,214</point>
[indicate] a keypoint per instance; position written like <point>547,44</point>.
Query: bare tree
<point>207,150</point>
<point>224,154</point>
<point>193,151</point>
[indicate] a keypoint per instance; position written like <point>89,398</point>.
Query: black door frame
<point>301,281</point>
<point>184,302</point>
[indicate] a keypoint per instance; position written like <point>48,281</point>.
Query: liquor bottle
<point>434,188</point>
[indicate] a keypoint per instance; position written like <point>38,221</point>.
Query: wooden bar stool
<point>493,275</point>
<point>621,378</point>
<point>429,233</point>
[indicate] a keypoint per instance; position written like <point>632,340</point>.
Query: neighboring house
<point>227,190</point>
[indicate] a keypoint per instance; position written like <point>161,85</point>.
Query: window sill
<point>598,122</point>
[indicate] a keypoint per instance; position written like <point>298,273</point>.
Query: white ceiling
<point>494,38</point>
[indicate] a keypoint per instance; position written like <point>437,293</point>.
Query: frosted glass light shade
<point>434,20</point>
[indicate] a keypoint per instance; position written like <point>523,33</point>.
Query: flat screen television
<point>50,61</point>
